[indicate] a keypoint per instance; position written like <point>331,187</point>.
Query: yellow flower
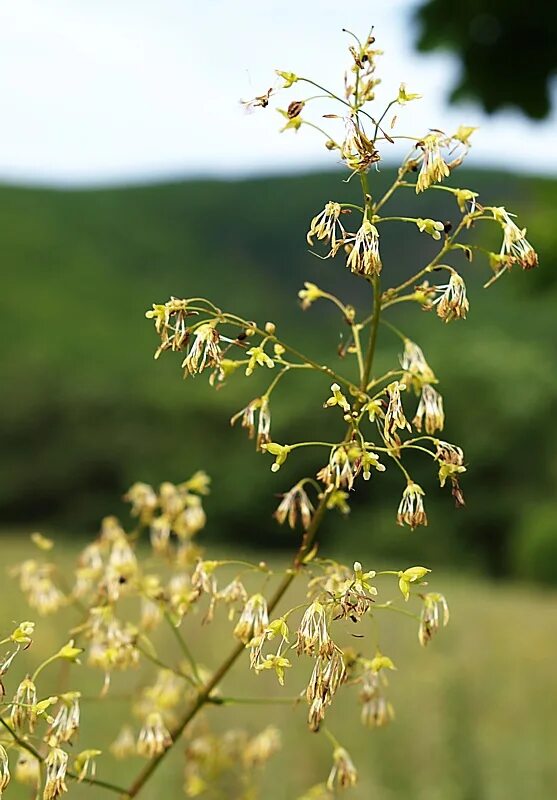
<point>258,357</point>
<point>289,78</point>
<point>337,399</point>
<point>410,575</point>
<point>406,97</point>
<point>277,663</point>
<point>430,226</point>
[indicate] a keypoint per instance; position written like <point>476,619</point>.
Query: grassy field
<point>475,711</point>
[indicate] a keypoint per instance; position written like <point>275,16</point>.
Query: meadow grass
<point>475,711</point>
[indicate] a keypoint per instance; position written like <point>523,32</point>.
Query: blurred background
<point>130,173</point>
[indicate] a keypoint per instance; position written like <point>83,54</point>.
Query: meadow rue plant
<point>128,599</point>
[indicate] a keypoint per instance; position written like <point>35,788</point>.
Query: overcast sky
<point>125,90</point>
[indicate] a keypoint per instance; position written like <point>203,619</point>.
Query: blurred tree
<point>506,50</point>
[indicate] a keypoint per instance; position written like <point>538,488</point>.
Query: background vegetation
<point>483,35</point>
<point>85,410</point>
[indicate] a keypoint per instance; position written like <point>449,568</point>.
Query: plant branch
<point>204,693</point>
<point>34,752</point>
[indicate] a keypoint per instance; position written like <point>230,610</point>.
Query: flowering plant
<point>124,596</point>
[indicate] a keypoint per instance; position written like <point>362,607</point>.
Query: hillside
<point>85,410</point>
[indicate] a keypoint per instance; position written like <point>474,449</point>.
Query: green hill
<point>85,410</point>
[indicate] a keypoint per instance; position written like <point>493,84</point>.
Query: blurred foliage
<point>534,543</point>
<point>475,715</point>
<point>86,411</point>
<point>486,35</point>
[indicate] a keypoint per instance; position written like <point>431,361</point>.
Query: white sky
<point>95,91</point>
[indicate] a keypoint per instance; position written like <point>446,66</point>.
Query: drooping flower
<point>435,612</point>
<point>66,722</point>
<point>154,737</point>
<point>364,258</point>
<point>326,226</point>
<point>261,407</point>
<point>143,500</point>
<point>430,407</point>
<point>515,244</point>
<point>451,465</point>
<point>377,711</point>
<point>394,416</point>
<point>56,764</point>
<point>417,370</point>
<point>339,471</point>
<point>233,594</point>
<point>343,774</point>
<point>205,351</point>
<point>357,150</point>
<point>124,744</point>
<point>295,503</point>
<point>433,168</point>
<point>411,510</point>
<point>4,769</point>
<point>170,324</point>
<point>260,749</point>
<point>452,302</point>
<point>253,619</point>
<point>328,674</point>
<point>23,711</point>
<point>85,762</point>
<point>465,196</point>
<point>312,636</point>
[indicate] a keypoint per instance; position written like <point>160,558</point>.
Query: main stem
<point>376,284</point>
<point>204,693</point>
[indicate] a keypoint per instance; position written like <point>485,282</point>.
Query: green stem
<point>391,190</point>
<point>42,666</point>
<point>183,647</point>
<point>373,330</point>
<point>204,695</point>
<point>233,320</point>
<point>34,752</point>
<point>205,692</point>
<point>150,657</point>
<point>434,261</point>
<point>359,354</point>
<point>376,283</point>
<point>252,701</point>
